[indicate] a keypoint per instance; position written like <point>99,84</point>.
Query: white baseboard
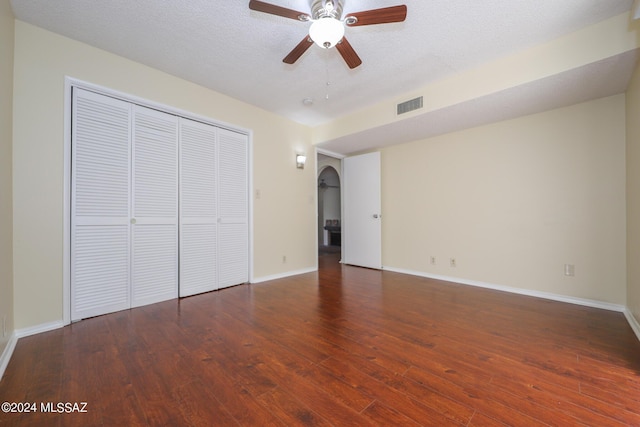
<point>21,333</point>
<point>284,275</point>
<point>632,322</point>
<point>37,329</point>
<point>7,353</point>
<point>539,294</point>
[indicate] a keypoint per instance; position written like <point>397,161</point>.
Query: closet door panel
<point>233,243</point>
<point>100,209</point>
<point>233,259</point>
<point>198,170</point>
<point>154,268</point>
<point>155,207</point>
<point>198,208</point>
<point>100,277</point>
<point>198,259</point>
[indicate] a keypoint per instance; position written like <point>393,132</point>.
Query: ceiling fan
<point>323,185</point>
<point>328,26</point>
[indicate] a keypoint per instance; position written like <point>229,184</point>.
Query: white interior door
<point>233,214</point>
<point>361,225</point>
<point>154,244</point>
<point>100,205</point>
<point>198,208</point>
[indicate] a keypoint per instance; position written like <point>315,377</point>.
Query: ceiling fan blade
<point>385,15</point>
<point>297,51</point>
<point>273,9</point>
<point>348,53</point>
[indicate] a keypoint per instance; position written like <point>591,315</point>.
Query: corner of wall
<point>6,353</point>
<point>7,41</point>
<point>633,195</point>
<point>633,322</point>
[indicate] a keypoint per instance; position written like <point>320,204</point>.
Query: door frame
<point>335,155</point>
<point>317,172</point>
<point>69,84</point>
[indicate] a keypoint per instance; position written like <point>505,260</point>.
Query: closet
<point>159,205</point>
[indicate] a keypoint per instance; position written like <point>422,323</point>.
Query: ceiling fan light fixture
<point>328,25</point>
<point>326,32</point>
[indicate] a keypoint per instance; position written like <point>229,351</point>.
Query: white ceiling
<point>224,46</point>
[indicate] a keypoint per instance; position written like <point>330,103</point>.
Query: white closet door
<point>154,275</point>
<point>233,238</point>
<point>125,220</point>
<point>198,208</point>
<point>100,208</point>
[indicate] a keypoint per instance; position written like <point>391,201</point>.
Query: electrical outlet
<point>4,326</point>
<point>569,270</point>
<point>432,260</point>
<point>258,194</point>
<point>452,262</point>
<point>284,259</point>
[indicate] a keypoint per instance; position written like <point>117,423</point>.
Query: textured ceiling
<point>224,46</point>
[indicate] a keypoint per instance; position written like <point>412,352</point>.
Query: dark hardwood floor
<point>344,347</point>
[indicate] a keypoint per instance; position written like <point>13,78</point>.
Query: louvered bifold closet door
<point>100,211</point>
<point>233,227</point>
<point>154,275</point>
<point>198,208</point>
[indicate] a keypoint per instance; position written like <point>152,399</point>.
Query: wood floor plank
<point>507,409</point>
<point>320,400</point>
<point>155,389</point>
<point>388,396</point>
<point>577,405</point>
<point>388,416</point>
<point>612,396</point>
<point>237,400</point>
<point>481,420</point>
<point>343,346</point>
<point>290,368</point>
<point>189,397</point>
<point>290,410</point>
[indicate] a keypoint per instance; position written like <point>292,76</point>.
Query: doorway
<point>329,205</point>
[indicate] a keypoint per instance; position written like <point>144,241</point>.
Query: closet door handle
<point>133,221</point>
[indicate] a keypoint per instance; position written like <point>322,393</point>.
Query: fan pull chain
<point>326,64</point>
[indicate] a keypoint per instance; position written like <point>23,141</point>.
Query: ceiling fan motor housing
<point>326,9</point>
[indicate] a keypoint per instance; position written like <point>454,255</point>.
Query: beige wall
<point>514,201</point>
<point>284,215</point>
<point>633,195</point>
<point>6,225</point>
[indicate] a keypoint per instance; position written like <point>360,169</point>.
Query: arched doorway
<point>329,207</point>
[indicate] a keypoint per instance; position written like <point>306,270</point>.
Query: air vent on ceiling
<point>411,105</point>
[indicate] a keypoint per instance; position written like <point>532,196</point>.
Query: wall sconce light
<point>300,160</point>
